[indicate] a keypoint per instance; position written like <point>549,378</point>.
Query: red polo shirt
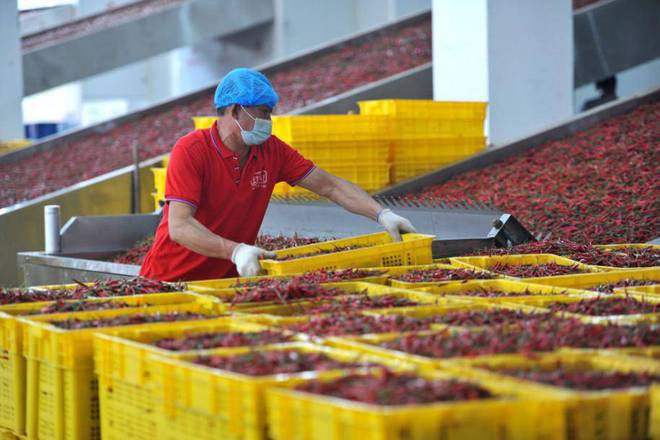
<point>230,202</point>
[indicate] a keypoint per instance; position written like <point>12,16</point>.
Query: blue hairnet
<point>246,87</point>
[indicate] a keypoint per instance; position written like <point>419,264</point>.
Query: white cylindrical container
<point>52,229</point>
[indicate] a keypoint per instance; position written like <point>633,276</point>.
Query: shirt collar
<point>225,152</point>
<point>217,143</point>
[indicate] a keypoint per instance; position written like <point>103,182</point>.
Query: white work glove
<point>246,259</point>
<point>394,224</point>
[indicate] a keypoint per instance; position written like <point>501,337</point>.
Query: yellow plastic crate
<point>160,176</point>
<point>381,251</point>
<point>346,151</point>
<point>74,286</point>
<point>654,419</point>
<point>652,290</point>
<point>127,393</point>
<point>607,414</point>
<point>12,363</point>
<point>456,290</point>
<point>420,312</point>
<point>545,301</point>
<point>292,129</point>
<point>297,415</point>
<point>421,128</point>
<point>62,398</point>
<point>589,280</point>
<point>202,122</point>
<point>408,285</point>
<point>423,108</point>
<point>159,201</point>
<point>626,245</point>
<point>11,145</point>
<point>534,259</point>
<point>368,176</point>
<point>205,286</point>
<point>452,305</point>
<point>437,149</point>
<point>206,403</point>
<point>350,287</point>
<point>402,170</point>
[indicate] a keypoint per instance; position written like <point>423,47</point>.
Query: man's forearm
<point>193,235</point>
<point>353,198</point>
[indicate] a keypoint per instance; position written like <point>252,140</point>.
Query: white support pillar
<point>11,72</point>
<point>515,54</point>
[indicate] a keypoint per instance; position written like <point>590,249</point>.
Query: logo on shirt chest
<point>259,179</point>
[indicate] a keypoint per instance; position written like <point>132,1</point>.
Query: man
<point>219,182</point>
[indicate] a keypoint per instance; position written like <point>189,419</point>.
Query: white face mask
<point>259,134</point>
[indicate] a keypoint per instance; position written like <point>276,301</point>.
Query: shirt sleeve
<point>294,167</point>
<point>185,173</point>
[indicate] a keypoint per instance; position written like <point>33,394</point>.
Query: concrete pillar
<point>516,54</point>
<point>11,72</point>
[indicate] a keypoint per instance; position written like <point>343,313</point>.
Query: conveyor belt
<point>458,227</point>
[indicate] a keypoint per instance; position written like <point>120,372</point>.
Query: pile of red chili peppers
<point>389,388</point>
<point>437,275</point>
<point>584,380</point>
<point>317,252</point>
<point>486,317</point>
<point>350,303</point>
<point>122,320</point>
<point>606,306</point>
<point>203,341</point>
<point>354,324</point>
<point>285,291</point>
<point>533,270</point>
<point>527,337</point>
<point>600,185</point>
<point>264,363</point>
<point>609,287</point>
<point>315,277</point>
<point>61,306</point>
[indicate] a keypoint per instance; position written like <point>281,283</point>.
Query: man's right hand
<point>246,258</point>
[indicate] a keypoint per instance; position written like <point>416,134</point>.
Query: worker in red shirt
<point>219,183</point>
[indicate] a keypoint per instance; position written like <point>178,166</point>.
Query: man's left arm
<point>354,199</point>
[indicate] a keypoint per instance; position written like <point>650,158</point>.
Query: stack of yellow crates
<point>429,134</point>
<point>354,147</point>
